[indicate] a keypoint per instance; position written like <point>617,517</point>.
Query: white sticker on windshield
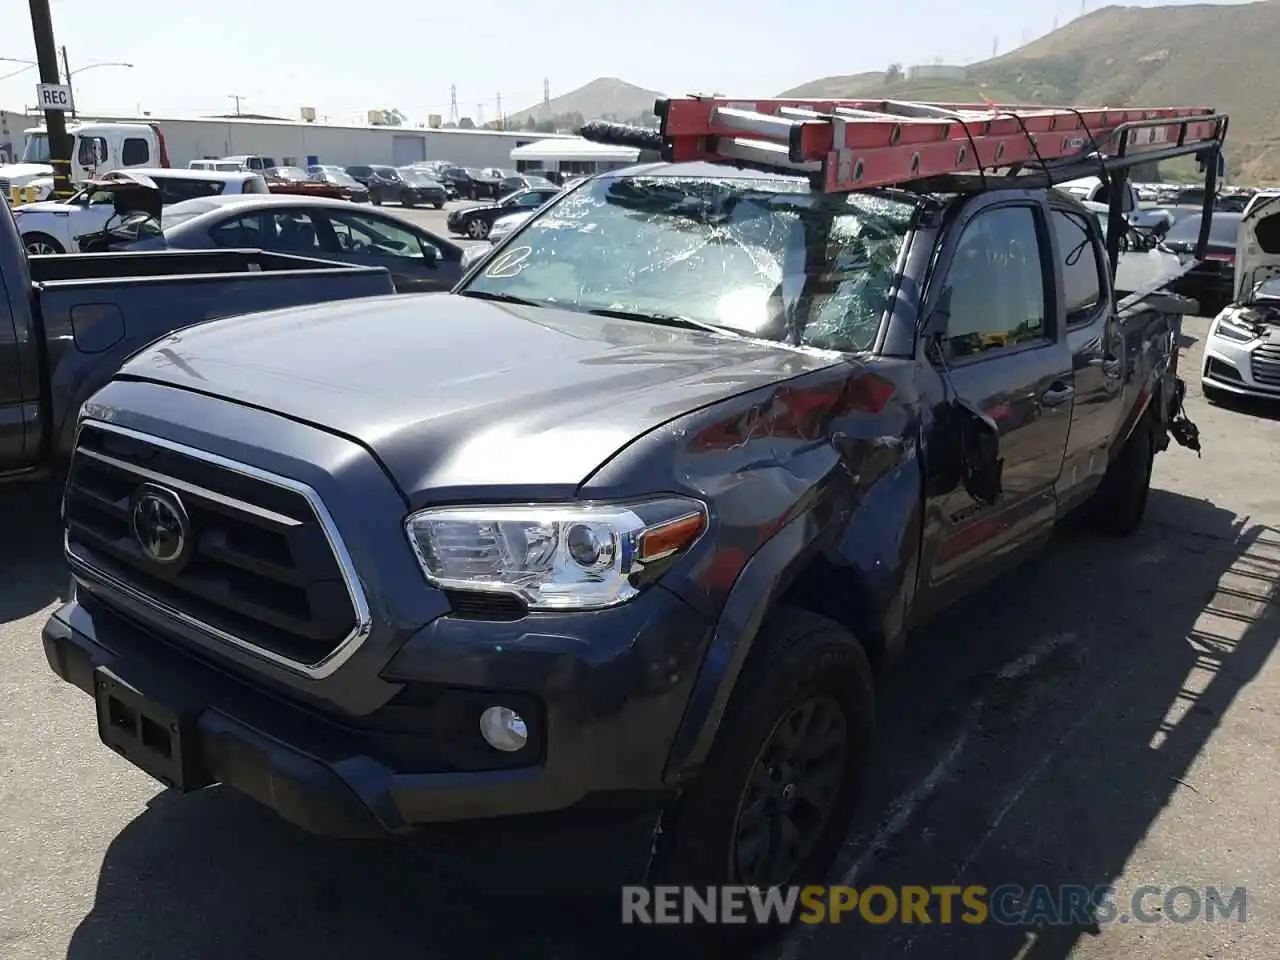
<point>510,264</point>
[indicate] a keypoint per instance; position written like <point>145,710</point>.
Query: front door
<point>1003,351</point>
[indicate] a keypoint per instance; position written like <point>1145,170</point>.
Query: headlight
<point>555,556</point>
<point>1234,331</point>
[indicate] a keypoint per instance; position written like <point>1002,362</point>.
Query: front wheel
<point>773,802</point>
<point>41,244</point>
<point>439,205</point>
<point>477,229</point>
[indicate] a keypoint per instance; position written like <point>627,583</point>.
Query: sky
<point>344,59</point>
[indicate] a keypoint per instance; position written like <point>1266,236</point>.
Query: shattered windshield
<point>765,258</point>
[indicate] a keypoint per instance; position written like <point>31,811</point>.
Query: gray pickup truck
<point>68,322</point>
<point>623,525</point>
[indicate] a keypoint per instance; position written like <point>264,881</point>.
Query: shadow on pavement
<point>1059,755</point>
<point>1054,772</point>
<point>32,571</point>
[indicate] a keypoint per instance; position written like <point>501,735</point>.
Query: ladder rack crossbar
<point>860,144</point>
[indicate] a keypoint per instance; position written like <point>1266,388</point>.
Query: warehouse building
<point>299,143</point>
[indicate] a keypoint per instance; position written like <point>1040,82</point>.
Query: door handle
<point>1057,395</point>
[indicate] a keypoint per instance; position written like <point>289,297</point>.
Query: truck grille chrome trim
<point>260,579</point>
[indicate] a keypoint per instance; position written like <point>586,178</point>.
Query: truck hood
<point>19,171</point>
<point>454,393</point>
<point>1257,247</point>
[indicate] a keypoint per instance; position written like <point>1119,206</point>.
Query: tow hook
<point>1184,432</point>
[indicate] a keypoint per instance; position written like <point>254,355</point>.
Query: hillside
<point>1201,55</point>
<point>603,98</point>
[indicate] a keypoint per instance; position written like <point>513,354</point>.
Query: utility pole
<point>502,119</point>
<point>235,97</point>
<point>55,120</point>
<point>546,94</point>
<point>453,103</point>
<point>479,114</point>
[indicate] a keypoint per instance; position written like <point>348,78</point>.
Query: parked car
<point>350,188</point>
<point>484,183</point>
<point>434,170</point>
<point>53,226</point>
<point>1211,281</point>
<point>476,222</point>
<point>221,166</point>
<point>1242,350</point>
<point>425,188</point>
<point>505,225</point>
<point>390,184</point>
<point>524,181</point>
<point>297,182</point>
<point>115,303</point>
<point>313,227</point>
<point>460,180</point>
<point>620,525</point>
<point>252,162</point>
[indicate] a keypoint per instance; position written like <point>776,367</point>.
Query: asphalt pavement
<point>1109,714</point>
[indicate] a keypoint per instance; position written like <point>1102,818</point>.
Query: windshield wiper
<point>663,319</point>
<point>500,297</point>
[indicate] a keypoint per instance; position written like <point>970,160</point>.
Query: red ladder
<point>860,144</point>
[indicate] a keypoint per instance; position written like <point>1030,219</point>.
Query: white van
<point>218,166</point>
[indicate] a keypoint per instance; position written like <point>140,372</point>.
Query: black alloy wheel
<point>787,804</point>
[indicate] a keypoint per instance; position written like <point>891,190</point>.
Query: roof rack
<point>846,145</point>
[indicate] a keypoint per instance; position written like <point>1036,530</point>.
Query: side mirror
<point>430,254</point>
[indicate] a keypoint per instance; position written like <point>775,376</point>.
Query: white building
<point>572,156</point>
<point>299,143</point>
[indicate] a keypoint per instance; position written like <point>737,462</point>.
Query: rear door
<point>1005,353</point>
<point>418,263</point>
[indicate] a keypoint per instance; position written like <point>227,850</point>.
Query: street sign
<point>53,96</point>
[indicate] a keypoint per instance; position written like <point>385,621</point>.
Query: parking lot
<point>1108,715</point>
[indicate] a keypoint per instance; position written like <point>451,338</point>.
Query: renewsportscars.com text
<point>1008,905</point>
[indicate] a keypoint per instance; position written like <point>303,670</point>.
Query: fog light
<point>504,729</point>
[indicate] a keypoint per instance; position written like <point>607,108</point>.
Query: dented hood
<point>452,392</point>
<point>1257,246</point>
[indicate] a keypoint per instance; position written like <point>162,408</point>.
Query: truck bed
<point>94,310</point>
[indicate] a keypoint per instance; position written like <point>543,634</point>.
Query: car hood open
<point>454,394</point>
<point>1257,246</point>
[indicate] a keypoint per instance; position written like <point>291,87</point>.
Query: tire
<point>439,205</point>
<point>375,199</point>
<point>406,201</point>
<point>1120,501</point>
<point>41,244</point>
<point>798,658</point>
<point>477,229</point>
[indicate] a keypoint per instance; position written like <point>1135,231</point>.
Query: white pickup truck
<point>96,149</point>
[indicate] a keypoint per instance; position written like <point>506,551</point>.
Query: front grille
<point>1265,361</point>
<point>262,568</point>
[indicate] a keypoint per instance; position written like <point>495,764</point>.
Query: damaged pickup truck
<point>626,523</point>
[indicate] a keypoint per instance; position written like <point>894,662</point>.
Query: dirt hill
<point>1201,55</point>
<point>604,98</point>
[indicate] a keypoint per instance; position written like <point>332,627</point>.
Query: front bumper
<point>1243,368</point>
<point>603,708</point>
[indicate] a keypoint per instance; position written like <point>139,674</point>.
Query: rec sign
<point>53,96</point>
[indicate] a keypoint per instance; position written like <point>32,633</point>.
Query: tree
<point>894,73</point>
<point>466,123</point>
<point>530,123</point>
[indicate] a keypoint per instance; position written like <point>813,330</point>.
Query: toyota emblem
<point>160,525</point>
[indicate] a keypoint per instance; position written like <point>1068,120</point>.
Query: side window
<point>531,200</point>
<point>174,190</point>
<point>997,284</point>
<point>375,236</point>
<point>1081,268</point>
<point>135,152</point>
<point>92,152</point>
<point>291,231</point>
<point>238,233</point>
